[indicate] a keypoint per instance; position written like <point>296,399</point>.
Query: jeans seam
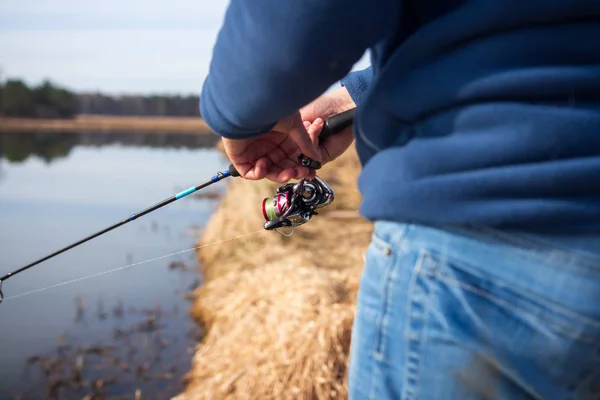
<point>412,349</point>
<point>505,304</point>
<point>380,243</point>
<point>374,379</point>
<point>380,246</point>
<point>478,273</point>
<point>526,244</point>
<point>382,319</point>
<point>565,262</point>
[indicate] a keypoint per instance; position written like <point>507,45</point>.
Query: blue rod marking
<point>220,176</point>
<point>185,192</point>
<point>132,217</point>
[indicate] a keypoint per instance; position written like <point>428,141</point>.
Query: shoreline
<point>283,305</point>
<point>106,123</point>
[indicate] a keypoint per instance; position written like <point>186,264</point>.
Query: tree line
<point>48,100</point>
<point>48,147</point>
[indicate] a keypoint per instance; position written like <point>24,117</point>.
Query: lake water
<point>120,332</point>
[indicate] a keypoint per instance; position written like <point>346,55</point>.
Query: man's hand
<point>313,116</point>
<point>274,155</point>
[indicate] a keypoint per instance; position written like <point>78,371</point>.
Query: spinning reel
<point>296,203</point>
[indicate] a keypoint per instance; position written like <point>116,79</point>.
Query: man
<point>478,128</point>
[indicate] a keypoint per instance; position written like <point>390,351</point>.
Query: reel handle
<point>334,124</point>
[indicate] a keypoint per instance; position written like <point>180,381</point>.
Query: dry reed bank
<point>277,311</point>
<point>104,123</point>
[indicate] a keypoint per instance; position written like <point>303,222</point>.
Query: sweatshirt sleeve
<point>273,57</point>
<point>357,84</point>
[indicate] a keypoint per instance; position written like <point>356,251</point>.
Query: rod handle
<point>337,123</point>
<point>334,124</point>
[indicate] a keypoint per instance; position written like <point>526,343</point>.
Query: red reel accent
<point>264,210</point>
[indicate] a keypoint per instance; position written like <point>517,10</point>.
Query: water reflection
<point>119,333</point>
<point>138,358</point>
<point>18,147</point>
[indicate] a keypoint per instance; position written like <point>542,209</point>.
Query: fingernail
<point>306,124</point>
<point>318,121</point>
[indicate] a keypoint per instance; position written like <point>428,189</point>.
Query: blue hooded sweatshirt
<point>473,112</point>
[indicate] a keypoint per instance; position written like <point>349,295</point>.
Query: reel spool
<point>275,207</point>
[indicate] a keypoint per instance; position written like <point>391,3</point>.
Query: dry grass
<point>104,123</point>
<point>278,311</point>
<point>283,333</point>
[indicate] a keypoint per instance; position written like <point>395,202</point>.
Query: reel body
<point>295,203</point>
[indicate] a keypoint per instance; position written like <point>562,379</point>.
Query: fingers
<point>307,125</point>
<point>276,174</point>
<point>281,172</point>
<point>285,158</point>
<point>260,168</point>
<point>282,176</point>
<point>274,155</point>
<point>298,134</point>
<point>255,171</point>
<point>314,130</point>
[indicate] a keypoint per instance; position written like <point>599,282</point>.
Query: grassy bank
<point>104,123</point>
<point>277,311</point>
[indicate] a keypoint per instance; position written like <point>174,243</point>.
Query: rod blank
<point>214,179</point>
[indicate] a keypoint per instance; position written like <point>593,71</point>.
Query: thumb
<point>302,138</point>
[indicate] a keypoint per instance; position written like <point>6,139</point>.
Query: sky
<point>112,46</point>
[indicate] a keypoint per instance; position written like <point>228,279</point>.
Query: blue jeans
<point>486,315</point>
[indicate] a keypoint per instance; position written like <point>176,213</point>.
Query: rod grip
<point>337,123</point>
<point>334,124</point>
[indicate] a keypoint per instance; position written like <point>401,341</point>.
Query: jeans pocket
<point>544,348</point>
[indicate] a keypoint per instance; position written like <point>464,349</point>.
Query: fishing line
<point>294,204</point>
<point>129,266</point>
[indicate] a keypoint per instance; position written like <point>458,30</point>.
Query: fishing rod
<point>293,204</point>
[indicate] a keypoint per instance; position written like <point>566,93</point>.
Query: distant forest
<point>50,101</point>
